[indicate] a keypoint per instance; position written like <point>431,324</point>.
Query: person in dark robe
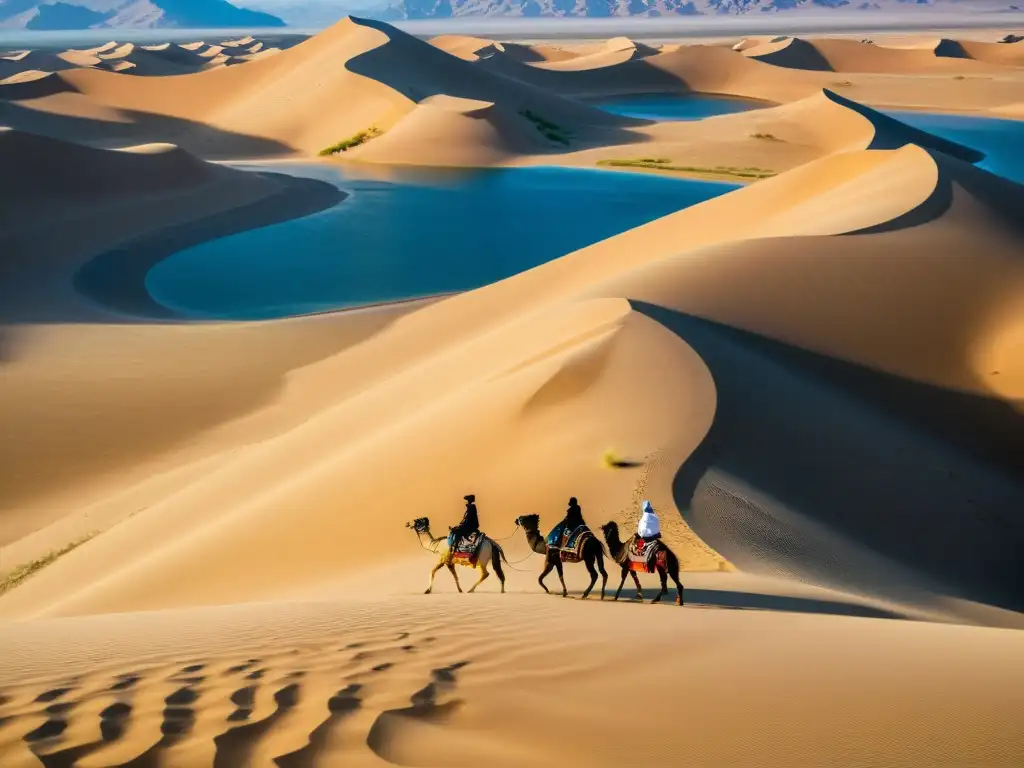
<point>469,524</point>
<point>573,519</point>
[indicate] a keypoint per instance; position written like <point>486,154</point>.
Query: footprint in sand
<point>53,694</point>
<point>393,734</point>
<point>125,682</point>
<point>113,720</point>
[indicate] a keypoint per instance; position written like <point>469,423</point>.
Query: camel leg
<point>436,568</point>
<point>548,565</point>
<point>561,578</point>
<point>639,589</point>
<point>664,585</point>
<point>604,575</point>
<point>593,578</point>
<point>679,587</point>
<point>617,591</point>
<point>451,567</point>
<point>496,564</point>
<point>484,573</point>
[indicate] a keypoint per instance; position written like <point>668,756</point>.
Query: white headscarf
<point>648,525</point>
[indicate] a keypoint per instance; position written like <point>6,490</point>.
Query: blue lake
<point>1002,141</point>
<point>412,234</point>
<point>696,107</point>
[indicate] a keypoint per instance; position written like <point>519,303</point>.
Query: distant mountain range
<point>144,14</point>
<point>436,9</point>
<point>99,14</point>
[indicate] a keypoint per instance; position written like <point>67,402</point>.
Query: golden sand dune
<point>400,684</point>
<point>148,60</point>
<point>935,57</point>
<point>487,377</point>
<point>817,379</point>
<point>712,69</point>
<point>356,75</point>
<point>487,135</point>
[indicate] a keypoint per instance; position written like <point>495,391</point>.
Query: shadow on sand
<point>850,478</point>
<point>754,601</point>
<point>200,139</point>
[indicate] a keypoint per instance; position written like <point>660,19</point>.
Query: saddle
<point>644,555</point>
<point>468,546</point>
<point>571,544</point>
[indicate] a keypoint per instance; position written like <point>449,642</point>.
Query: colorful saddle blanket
<point>645,555</point>
<point>571,544</point>
<point>468,548</point>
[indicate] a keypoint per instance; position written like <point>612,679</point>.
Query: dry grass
<point>550,131</point>
<point>9,581</point>
<point>352,141</point>
<point>662,164</point>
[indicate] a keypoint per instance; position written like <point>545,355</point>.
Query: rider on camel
<point>648,528</point>
<point>573,519</point>
<point>469,525</point>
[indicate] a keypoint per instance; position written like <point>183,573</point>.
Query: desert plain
<point>817,378</point>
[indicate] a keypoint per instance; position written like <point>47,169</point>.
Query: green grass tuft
<point>661,164</point>
<point>9,581</point>
<point>550,131</point>
<point>765,136</point>
<point>352,141</point>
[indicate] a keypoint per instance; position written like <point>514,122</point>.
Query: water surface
<point>414,234</point>
<point>689,107</point>
<point>1002,141</point>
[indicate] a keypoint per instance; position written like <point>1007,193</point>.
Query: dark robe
<point>573,519</point>
<point>469,524</point>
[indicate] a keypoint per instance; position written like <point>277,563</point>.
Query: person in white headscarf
<point>648,528</point>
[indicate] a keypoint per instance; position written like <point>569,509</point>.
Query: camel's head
<point>610,531</point>
<point>420,524</point>
<point>528,522</point>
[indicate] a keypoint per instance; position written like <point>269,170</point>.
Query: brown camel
<point>665,562</point>
<point>490,552</point>
<point>592,553</point>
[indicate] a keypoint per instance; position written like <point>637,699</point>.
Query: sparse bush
<point>352,141</point>
<point>661,164</point>
<point>765,136</point>
<point>550,131</point>
<point>9,581</point>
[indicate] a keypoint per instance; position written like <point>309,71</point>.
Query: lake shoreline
<point>116,279</point>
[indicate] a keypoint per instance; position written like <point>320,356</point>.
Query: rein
<point>506,538</point>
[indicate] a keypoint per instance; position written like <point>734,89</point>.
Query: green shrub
<point>352,141</point>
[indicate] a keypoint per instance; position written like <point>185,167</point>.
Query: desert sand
<point>817,379</point>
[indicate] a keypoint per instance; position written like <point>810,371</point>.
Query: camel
<point>593,554</point>
<point>668,566</point>
<point>490,552</point>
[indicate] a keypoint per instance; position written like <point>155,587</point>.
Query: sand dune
<point>148,60</point>
<point>487,359</point>
<point>711,69</point>
<point>850,56</point>
<point>237,111</point>
<point>817,378</point>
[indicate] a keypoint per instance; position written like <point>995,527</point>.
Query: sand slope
<point>818,379</point>
<point>355,683</point>
<point>148,60</point>
<point>356,75</point>
<point>484,360</point>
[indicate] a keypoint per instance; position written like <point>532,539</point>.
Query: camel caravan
<point>571,541</point>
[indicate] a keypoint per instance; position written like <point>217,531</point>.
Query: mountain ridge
<point>52,15</point>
